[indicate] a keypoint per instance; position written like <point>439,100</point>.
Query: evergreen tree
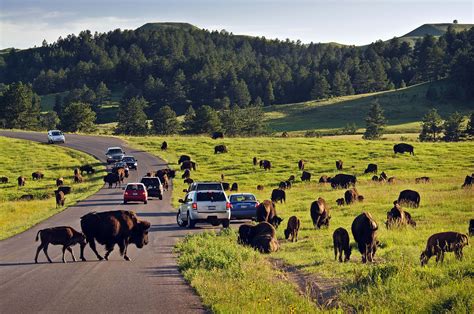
<point>131,117</point>
<point>231,120</point>
<point>452,127</point>
<point>78,117</point>
<point>431,126</point>
<point>338,84</point>
<point>470,126</point>
<point>165,121</point>
<point>206,121</point>
<point>320,88</point>
<point>253,122</point>
<point>58,104</point>
<point>102,94</point>
<point>269,97</point>
<point>20,107</point>
<point>375,122</point>
<point>49,120</point>
<point>189,117</point>
<point>239,93</point>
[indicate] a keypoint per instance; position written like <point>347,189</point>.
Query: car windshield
<point>128,159</point>
<point>56,133</point>
<point>210,197</point>
<point>242,198</point>
<point>114,151</point>
<point>135,187</point>
<point>151,181</point>
<point>209,186</point>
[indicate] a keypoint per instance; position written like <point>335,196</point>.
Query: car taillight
<point>228,205</point>
<point>195,205</point>
<point>126,193</point>
<point>256,204</point>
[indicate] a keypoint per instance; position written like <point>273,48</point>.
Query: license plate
<point>135,194</point>
<point>211,207</point>
<point>243,206</point>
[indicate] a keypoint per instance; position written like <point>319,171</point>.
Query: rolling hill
<point>436,30</point>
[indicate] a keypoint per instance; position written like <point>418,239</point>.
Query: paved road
<point>150,283</point>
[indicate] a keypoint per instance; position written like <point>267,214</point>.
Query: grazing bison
<point>217,135</point>
<point>164,145</point>
<point>292,228</point>
<point>371,168</point>
<point>87,169</point>
<point>37,175</point>
<point>282,185</point>
<point>65,236</point>
<point>324,179</point>
<point>403,148</point>
<point>188,181</point>
<point>59,181</point>
<point>398,217</point>
<point>468,181</point>
<point>186,174</point>
<point>364,229</point>
<point>254,161</point>
<point>265,164</point>
<point>352,195</point>
<point>234,187</point>
<point>220,149</point>
<point>383,176</point>
<point>410,198</point>
<point>21,181</point>
<point>340,202</point>
<point>265,244</point>
<point>376,179</point>
<point>65,189</point>
<point>59,195</point>
<point>260,187</point>
<point>306,176</point>
<point>278,195</point>
<point>439,243</point>
<point>3,179</point>
<point>343,181</point>
<point>183,158</point>
<point>188,164</point>
<point>285,134</point>
<point>391,180</point>
<point>248,231</point>
<point>26,197</point>
<point>78,178</point>
<point>266,212</point>
<point>301,164</point>
<point>339,165</point>
<point>422,180</point>
<point>340,239</point>
<point>120,227</point>
<point>112,178</point>
<point>77,171</point>
<point>288,184</point>
<point>291,178</point>
<point>320,213</point>
<point>471,227</point>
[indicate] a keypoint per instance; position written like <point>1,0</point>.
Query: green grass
<point>20,157</point>
<point>403,108</point>
<point>396,282</point>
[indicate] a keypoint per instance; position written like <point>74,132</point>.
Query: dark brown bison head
<point>139,234</point>
<point>276,221</point>
<point>245,234</point>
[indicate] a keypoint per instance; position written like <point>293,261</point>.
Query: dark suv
<point>153,186</point>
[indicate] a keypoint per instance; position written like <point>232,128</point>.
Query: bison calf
<point>340,239</point>
<point>439,243</point>
<point>292,228</point>
<point>65,236</point>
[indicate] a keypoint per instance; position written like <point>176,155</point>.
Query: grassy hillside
<point>396,282</point>
<point>404,109</point>
<point>437,29</point>
<point>21,157</point>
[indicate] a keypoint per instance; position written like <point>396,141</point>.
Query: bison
<point>371,168</point>
<point>352,195</point>
<point>409,198</point>
<point>248,231</point>
<point>306,176</point>
<point>339,165</point>
<point>254,160</point>
<point>468,181</point>
<point>188,164</point>
<point>471,227</point>
<point>37,175</point>
<point>343,181</point>
<point>21,181</point>
<point>3,179</point>
<point>340,239</point>
<point>225,186</point>
<point>324,179</point>
<point>188,181</point>
<point>164,145</point>
<point>78,178</point>
<point>439,243</point>
<point>340,202</point>
<point>265,164</point>
<point>383,176</point>
<point>87,169</point>
<point>398,217</point>
<point>403,148</point>
<point>65,236</point>
<point>112,178</point>
<point>260,187</point>
<point>26,197</point>
<point>266,212</point>
<point>217,135</point>
<point>183,158</point>
<point>422,180</point>
<point>186,174</point>
<point>234,187</point>
<point>364,229</point>
<point>59,195</point>
<point>278,195</point>
<point>59,181</point>
<point>301,164</point>
<point>292,228</point>
<point>291,178</point>
<point>65,189</point>
<point>120,227</point>
<point>320,213</point>
<point>220,149</point>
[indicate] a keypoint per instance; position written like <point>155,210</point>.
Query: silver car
<point>205,206</point>
<point>56,136</point>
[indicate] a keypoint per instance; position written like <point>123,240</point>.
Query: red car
<point>135,192</point>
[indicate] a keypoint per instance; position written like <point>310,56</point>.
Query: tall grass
<point>390,282</point>
<point>20,157</point>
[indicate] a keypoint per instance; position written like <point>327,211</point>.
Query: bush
<point>312,133</point>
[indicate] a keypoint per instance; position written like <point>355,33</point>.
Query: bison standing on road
<point>266,212</point>
<point>403,148</point>
<point>220,149</point>
<point>340,239</point>
<point>65,236</point>
<point>292,228</point>
<point>343,181</point>
<point>278,195</point>
<point>112,178</point>
<point>320,213</point>
<point>410,198</point>
<point>439,243</point>
<point>120,227</point>
<point>364,229</point>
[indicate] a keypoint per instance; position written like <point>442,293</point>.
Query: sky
<point>24,24</point>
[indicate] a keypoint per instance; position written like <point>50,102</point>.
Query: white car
<point>56,136</point>
<point>211,206</point>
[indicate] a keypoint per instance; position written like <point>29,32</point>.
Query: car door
<point>186,206</point>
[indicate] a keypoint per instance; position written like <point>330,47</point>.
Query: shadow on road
<point>168,214</point>
<point>163,271</point>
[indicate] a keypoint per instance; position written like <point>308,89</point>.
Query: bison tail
<point>37,235</point>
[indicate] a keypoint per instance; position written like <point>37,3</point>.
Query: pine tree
<point>338,84</point>
<point>49,120</point>
<point>102,94</point>
<point>20,107</point>
<point>78,117</point>
<point>375,122</point>
<point>320,88</point>
<point>239,93</point>
<point>188,123</point>
<point>165,121</point>
<point>58,104</point>
<point>470,126</point>
<point>131,117</point>
<point>231,120</point>
<point>452,127</point>
<point>206,120</point>
<point>431,126</point>
<point>269,97</point>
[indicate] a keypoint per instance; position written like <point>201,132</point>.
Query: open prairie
<point>396,281</point>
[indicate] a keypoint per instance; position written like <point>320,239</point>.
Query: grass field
<point>395,282</point>
<point>403,108</point>
<point>20,157</point>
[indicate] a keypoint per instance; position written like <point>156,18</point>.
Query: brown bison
<point>261,237</point>
<point>188,164</point>
<point>254,160</point>
<point>383,176</point>
<point>59,181</point>
<point>422,180</point>
<point>65,236</point>
<point>471,227</point>
<point>343,181</point>
<point>164,145</point>
<point>260,187</point>
<point>225,186</point>
<point>398,217</point>
<point>265,164</point>
<point>392,180</point>
<point>371,168</point>
<point>352,195</point>
<point>278,195</point>
<point>339,164</point>
<point>183,158</point>
<point>403,148</point>
<point>364,229</point>
<point>77,171</point>
<point>301,164</point>
<point>78,178</point>
<point>439,243</point>
<point>291,178</point>
<point>21,181</point>
<point>186,174</point>
<point>340,202</point>
<point>59,195</point>
<point>188,181</point>
<point>409,198</point>
<point>3,179</point>
<point>292,228</point>
<point>266,212</point>
<point>65,189</point>
<point>37,175</point>
<point>306,176</point>
<point>217,135</point>
<point>468,181</point>
<point>120,227</point>
<point>112,178</point>
<point>87,169</point>
<point>26,197</point>
<point>324,179</point>
<point>220,149</point>
<point>285,134</point>
<point>234,187</point>
<point>320,213</point>
<point>375,179</point>
<point>340,239</point>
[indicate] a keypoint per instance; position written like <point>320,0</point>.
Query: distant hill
<point>166,25</point>
<point>432,29</point>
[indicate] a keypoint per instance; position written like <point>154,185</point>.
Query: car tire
<point>191,222</point>
<point>226,223</point>
<point>160,197</point>
<point>125,202</point>
<point>179,221</point>
<point>145,202</point>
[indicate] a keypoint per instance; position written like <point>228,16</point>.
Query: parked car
<point>135,192</point>
<point>132,163</point>
<point>205,186</point>
<point>114,154</point>
<point>211,206</point>
<point>153,186</point>
<point>243,206</point>
<point>56,136</point>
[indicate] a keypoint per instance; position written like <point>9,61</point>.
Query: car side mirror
<point>185,190</point>
<point>181,201</point>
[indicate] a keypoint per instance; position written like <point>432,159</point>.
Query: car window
<point>129,159</point>
<point>242,198</point>
<point>135,187</point>
<point>56,133</point>
<point>150,181</point>
<point>114,151</point>
<point>210,197</point>
<point>209,186</point>
<point>188,198</point>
